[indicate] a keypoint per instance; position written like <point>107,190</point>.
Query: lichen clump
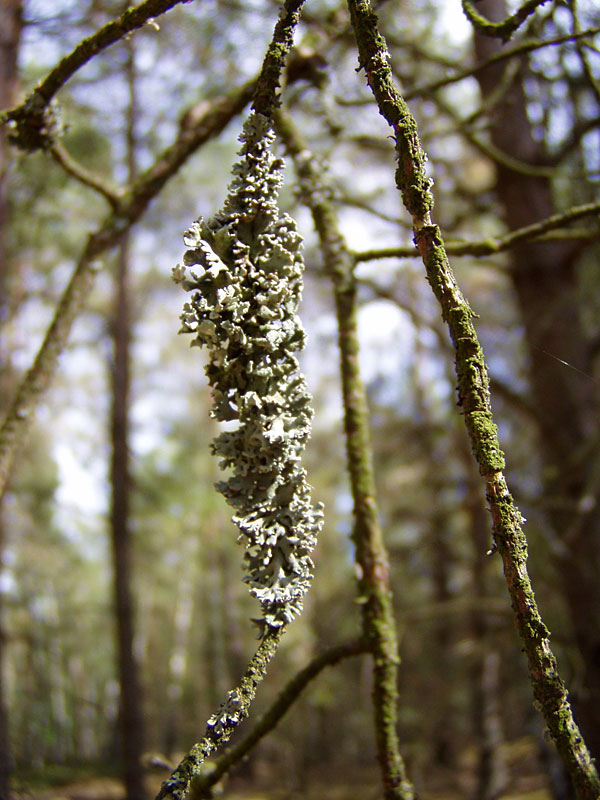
<point>245,268</point>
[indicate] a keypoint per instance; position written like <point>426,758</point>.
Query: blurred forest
<point>124,621</point>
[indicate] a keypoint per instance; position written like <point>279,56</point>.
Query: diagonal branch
<point>222,724</point>
<point>520,49</point>
<point>127,211</point>
<point>378,623</point>
<point>267,722</point>
<point>474,398</point>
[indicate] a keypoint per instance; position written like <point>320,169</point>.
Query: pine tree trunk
<point>131,725</point>
<point>130,713</point>
<point>545,281</point>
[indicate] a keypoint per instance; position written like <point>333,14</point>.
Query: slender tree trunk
<point>10,35</point>
<point>5,750</point>
<point>441,734</point>
<point>131,727</point>
<point>545,280</point>
<point>130,713</point>
<point>492,773</point>
<point>488,728</point>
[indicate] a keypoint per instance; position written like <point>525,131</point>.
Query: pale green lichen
<point>245,268</point>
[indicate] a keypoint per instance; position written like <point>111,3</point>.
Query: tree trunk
<point>545,281</point>
<point>10,35</point>
<point>131,727</point>
<point>130,714</point>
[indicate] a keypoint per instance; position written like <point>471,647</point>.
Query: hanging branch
<point>129,208</point>
<point>474,398</point>
<point>34,125</point>
<point>378,623</point>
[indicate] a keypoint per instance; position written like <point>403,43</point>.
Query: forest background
<point>121,592</point>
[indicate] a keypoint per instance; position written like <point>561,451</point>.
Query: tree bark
<point>545,281</point>
<point>130,712</point>
<point>10,35</point>
<point>131,726</point>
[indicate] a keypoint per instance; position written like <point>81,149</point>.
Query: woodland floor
<point>527,782</point>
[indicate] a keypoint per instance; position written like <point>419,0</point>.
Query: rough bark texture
<point>545,280</point>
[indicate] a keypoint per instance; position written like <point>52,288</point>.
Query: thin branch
<point>266,97</point>
<point>474,399</point>
<point>33,125</point>
<point>201,784</point>
<point>378,623</point>
<point>129,209</point>
<point>576,134</point>
<point>223,723</point>
<point>73,168</point>
<point>500,30</point>
<point>487,247</point>
<point>425,89</point>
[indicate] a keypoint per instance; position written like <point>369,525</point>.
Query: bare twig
<point>425,89</point>
<point>73,168</point>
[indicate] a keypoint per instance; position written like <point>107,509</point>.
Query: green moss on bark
<point>473,391</point>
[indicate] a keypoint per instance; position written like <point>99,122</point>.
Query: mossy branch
<point>474,399</point>
<point>488,247</point>
<point>266,98</point>
<point>34,125</point>
<point>225,720</point>
<point>129,209</point>
<point>378,623</point>
<point>202,784</point>
<point>500,30</point>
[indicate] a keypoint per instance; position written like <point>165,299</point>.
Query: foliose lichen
<point>244,267</point>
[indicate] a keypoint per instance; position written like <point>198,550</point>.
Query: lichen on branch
<point>244,267</point>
